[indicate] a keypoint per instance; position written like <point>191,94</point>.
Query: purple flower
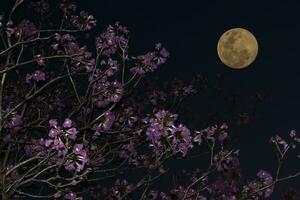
<point>115,92</point>
<point>79,167</point>
<point>67,123</point>
<point>163,133</point>
<point>229,163</point>
<point>222,136</point>
<point>166,117</point>
<point>83,22</point>
<point>54,132</point>
<point>265,179</point>
<point>53,123</point>
<point>72,133</point>
<point>79,161</point>
<point>214,133</point>
<point>294,137</point>
<point>181,139</point>
<point>36,76</point>
<point>72,196</point>
<point>78,149</point>
<point>40,60</point>
<point>48,142</point>
<point>15,121</point>
<point>198,137</point>
<point>279,141</point>
<point>113,67</point>
<point>109,120</point>
<point>57,144</point>
<point>154,132</point>
<point>150,61</point>
<point>114,37</point>
<point>106,122</point>
<point>69,166</point>
<point>66,44</point>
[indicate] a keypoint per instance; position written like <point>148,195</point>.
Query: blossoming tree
<point>72,125</point>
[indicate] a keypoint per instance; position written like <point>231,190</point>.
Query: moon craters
<point>237,48</point>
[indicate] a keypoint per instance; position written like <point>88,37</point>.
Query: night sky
<point>190,31</point>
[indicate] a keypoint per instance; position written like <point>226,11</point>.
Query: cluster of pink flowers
<point>282,144</point>
<point>79,160</point>
<point>83,22</point>
<point>150,61</point>
<point>163,132</point>
<point>212,133</point>
<point>114,38</point>
<point>264,179</point>
<point>36,76</point>
<point>66,45</point>
<point>105,124</point>
<point>60,139</point>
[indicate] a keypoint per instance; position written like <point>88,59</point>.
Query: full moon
<point>237,48</point>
